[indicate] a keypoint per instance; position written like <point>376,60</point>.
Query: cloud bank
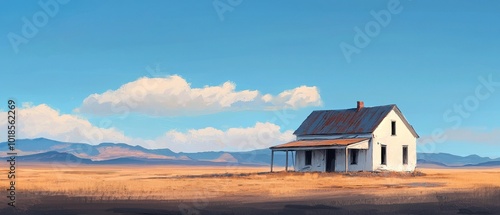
<point>44,121</point>
<point>174,96</point>
<point>262,135</point>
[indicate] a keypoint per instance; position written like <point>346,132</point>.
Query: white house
<point>357,139</point>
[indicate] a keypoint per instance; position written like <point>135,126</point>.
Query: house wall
<point>317,161</point>
<point>339,160</point>
<point>360,166</point>
<point>369,155</point>
<point>382,136</point>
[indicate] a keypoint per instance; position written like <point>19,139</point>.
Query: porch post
<point>286,167</point>
<point>346,154</point>
<point>272,159</point>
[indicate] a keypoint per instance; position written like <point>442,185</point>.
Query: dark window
<point>405,154</point>
<point>383,155</point>
<point>308,157</point>
<point>393,128</point>
<point>354,156</point>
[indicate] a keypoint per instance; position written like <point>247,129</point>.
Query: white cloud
<point>44,121</point>
<point>262,135</point>
<point>173,96</point>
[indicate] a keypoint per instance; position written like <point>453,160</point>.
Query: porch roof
<point>319,143</point>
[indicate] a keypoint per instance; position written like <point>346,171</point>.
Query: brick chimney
<point>361,105</point>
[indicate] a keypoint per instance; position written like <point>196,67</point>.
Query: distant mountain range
<point>449,160</point>
<point>45,150</point>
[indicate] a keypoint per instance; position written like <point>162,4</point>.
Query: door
<point>330,160</point>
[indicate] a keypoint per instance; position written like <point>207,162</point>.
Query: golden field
<point>245,184</point>
<point>446,190</point>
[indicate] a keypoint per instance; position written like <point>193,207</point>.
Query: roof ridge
<point>379,106</point>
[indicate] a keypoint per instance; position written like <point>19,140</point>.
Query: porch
<point>325,155</point>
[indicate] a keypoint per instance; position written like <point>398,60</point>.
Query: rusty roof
<point>348,121</point>
<point>319,143</point>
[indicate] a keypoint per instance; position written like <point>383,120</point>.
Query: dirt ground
<point>82,189</point>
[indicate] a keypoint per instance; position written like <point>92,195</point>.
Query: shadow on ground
<point>480,201</point>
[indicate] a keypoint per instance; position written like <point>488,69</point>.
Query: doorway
<point>330,160</point>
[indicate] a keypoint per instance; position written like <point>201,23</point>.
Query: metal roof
<point>348,121</point>
<point>319,143</point>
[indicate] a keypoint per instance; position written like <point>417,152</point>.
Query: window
<point>354,156</point>
<point>308,157</point>
<point>393,128</point>
<point>383,155</point>
<point>405,154</point>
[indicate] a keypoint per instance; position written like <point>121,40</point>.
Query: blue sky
<point>428,58</point>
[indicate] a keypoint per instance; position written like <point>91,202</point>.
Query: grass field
<point>249,185</point>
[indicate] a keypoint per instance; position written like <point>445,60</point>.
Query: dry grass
<point>97,183</point>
